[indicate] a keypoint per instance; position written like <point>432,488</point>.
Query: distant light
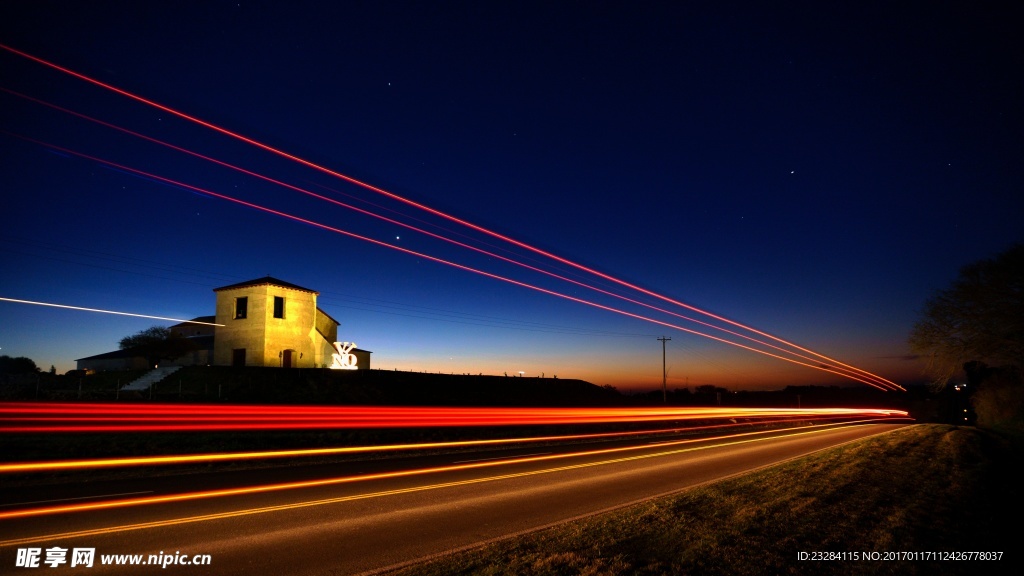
<point>107,311</point>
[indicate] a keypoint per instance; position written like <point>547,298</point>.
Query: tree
<point>157,343</point>
<point>998,402</point>
<point>19,365</point>
<point>710,389</point>
<point>980,318</point>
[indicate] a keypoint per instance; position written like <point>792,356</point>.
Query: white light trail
<point>107,311</point>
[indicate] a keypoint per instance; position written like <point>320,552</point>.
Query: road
<point>346,526</point>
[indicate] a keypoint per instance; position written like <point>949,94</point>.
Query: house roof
<point>127,353</point>
<point>319,311</point>
<point>202,319</point>
<point>201,342</point>
<point>265,280</point>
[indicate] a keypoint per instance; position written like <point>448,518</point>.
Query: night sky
<point>815,171</point>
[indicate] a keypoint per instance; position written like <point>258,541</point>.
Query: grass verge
<point>923,488</point>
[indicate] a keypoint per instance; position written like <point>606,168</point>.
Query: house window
<point>278,307</point>
<point>241,307</point>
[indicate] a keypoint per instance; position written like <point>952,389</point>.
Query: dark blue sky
<point>812,170</point>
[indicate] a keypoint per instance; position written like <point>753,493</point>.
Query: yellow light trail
<point>321,502</point>
<point>189,496</point>
<point>106,311</point>
<point>54,465</point>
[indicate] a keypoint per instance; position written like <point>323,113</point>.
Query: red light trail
<point>107,417</point>
<point>313,223</point>
<point>404,225</point>
<point>876,381</point>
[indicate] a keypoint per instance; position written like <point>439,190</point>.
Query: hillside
<point>257,385</point>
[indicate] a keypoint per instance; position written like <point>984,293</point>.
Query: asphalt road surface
<point>343,522</point>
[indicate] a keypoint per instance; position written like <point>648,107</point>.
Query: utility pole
<point>664,374</point>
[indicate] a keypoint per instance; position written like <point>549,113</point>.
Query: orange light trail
<point>106,311</point>
<point>739,438</point>
<point>449,263</point>
<point>38,417</point>
<point>403,224</point>
<point>47,466</point>
<point>880,382</point>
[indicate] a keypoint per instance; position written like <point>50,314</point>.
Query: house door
<point>238,357</point>
<point>286,359</point>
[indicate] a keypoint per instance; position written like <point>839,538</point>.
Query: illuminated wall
<point>363,356</point>
<point>327,329</point>
<point>268,322</point>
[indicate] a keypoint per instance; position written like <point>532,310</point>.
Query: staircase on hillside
<point>149,378</point>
